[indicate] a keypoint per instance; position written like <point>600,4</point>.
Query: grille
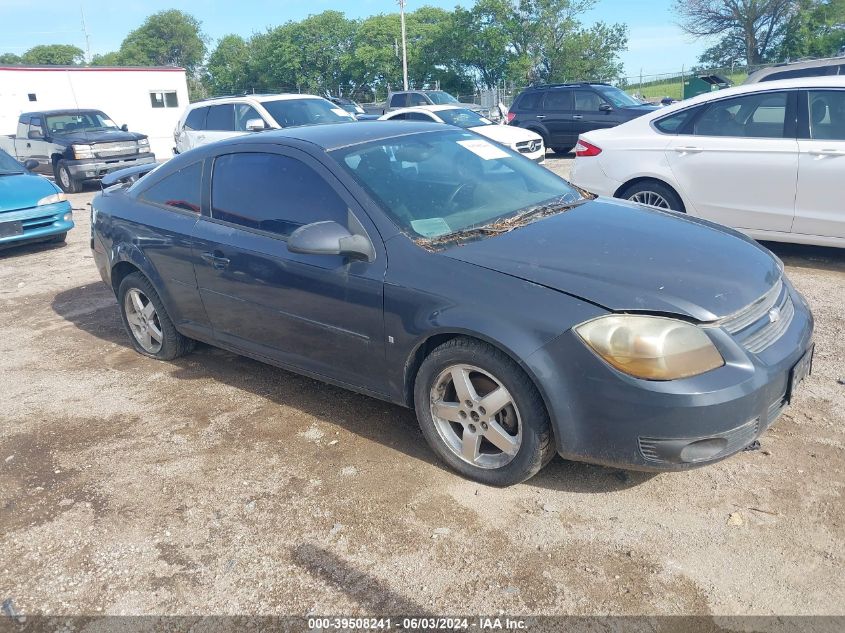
<point>119,148</point>
<point>763,322</point>
<point>526,147</point>
<point>36,223</point>
<point>774,410</point>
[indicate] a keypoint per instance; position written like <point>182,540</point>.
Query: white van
<point>215,119</point>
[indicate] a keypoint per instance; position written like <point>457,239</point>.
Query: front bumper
<point>601,415</point>
<point>91,168</point>
<point>37,223</point>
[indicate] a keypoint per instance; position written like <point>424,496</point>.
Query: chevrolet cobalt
<point>519,316</point>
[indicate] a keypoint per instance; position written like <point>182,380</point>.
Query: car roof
<point>428,108</point>
<point>798,65</point>
<point>61,111</point>
<point>330,136</point>
<point>260,98</point>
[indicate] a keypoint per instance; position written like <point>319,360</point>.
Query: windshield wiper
<point>558,205</point>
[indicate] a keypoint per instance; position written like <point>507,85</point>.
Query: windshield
<point>434,184</point>
<point>462,118</point>
<point>438,97</point>
<point>68,122</point>
<point>9,165</point>
<point>618,98</point>
<point>291,112</point>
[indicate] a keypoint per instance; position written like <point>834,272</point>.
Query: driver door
<point>320,313</point>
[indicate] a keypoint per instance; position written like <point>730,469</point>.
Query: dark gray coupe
<point>428,267</point>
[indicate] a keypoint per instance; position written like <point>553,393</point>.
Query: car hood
<point>639,110</point>
<point>104,136</point>
<point>507,134</point>
<point>22,191</point>
<point>626,257</point>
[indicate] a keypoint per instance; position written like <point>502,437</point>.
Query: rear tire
<point>562,151</point>
<point>65,180</point>
<point>502,446</point>
<point>654,193</point>
<point>146,321</point>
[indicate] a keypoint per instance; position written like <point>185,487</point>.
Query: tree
<point>9,59</point>
<point>817,29</point>
<point>54,55</point>
<point>228,67</point>
<point>758,25</point>
<point>167,38</point>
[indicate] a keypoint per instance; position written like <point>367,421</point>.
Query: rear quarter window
<point>180,190</point>
<point>676,123</point>
<point>529,101</point>
<point>196,119</point>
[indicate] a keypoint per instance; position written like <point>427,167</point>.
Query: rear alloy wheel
<point>145,318</point>
<point>65,180</point>
<point>481,414</point>
<point>654,194</point>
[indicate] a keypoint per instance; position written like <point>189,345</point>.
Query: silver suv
<point>224,117</point>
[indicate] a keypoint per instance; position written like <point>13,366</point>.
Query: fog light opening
<point>703,449</point>
<point>68,216</point>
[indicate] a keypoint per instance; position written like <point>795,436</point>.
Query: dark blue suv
<point>560,112</point>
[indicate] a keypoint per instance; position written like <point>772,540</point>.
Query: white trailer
<point>148,100</point>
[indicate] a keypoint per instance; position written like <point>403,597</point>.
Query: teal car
<point>32,209</point>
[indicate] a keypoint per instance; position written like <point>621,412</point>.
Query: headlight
<point>144,142</point>
<point>51,199</point>
<point>82,151</point>
<point>654,348</point>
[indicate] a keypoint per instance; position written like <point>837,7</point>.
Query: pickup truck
<point>411,98</point>
<point>76,145</point>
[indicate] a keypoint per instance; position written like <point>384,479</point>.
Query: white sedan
<point>527,143</point>
<point>767,159</point>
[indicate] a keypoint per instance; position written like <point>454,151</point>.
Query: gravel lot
<point>216,484</point>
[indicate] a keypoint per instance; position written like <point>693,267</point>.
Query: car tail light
<point>583,149</point>
<point>511,116</point>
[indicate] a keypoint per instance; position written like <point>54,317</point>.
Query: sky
<point>656,44</point>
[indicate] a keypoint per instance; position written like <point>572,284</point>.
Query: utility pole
<point>404,45</point>
<point>87,37</point>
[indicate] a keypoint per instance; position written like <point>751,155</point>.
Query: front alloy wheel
<point>475,416</point>
<point>481,413</point>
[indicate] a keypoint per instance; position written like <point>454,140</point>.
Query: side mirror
<point>30,164</point>
<point>35,134</point>
<point>255,125</point>
<point>124,127</point>
<point>605,107</point>
<point>330,238</point>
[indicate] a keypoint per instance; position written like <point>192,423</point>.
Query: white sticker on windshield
<point>109,123</point>
<point>485,150</point>
<point>431,227</point>
<point>340,112</point>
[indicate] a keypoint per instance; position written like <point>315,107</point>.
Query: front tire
<point>481,413</point>
<point>65,180</point>
<point>653,193</point>
<point>146,321</point>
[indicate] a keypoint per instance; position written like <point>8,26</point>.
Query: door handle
<point>540,117</point>
<point>577,117</point>
<point>216,261</point>
<point>29,145</point>
<point>688,149</point>
<point>828,152</point>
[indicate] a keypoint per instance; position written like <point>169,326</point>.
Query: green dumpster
<point>704,83</point>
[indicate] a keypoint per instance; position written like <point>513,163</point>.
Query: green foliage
<point>54,55</point>
<point>9,59</point>
<point>816,30</point>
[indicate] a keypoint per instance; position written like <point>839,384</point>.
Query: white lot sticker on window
<point>431,227</point>
<point>483,149</point>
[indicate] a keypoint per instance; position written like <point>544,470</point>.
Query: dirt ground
<point>215,484</point>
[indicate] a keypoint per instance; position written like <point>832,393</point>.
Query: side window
<point>399,100</point>
<point>196,119</point>
<point>221,118</point>
<point>419,116</point>
<point>272,193</point>
<point>827,115</point>
<point>587,101</point>
<point>243,113</point>
<point>402,116</point>
<point>675,123</point>
<point>558,100</point>
<point>179,190</point>
<point>23,127</point>
<point>756,115</point>
<point>529,101</point>
<point>35,128</point>
<point>416,99</point>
